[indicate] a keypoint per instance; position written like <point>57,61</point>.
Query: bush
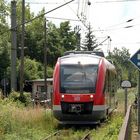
<point>24,123</point>
<point>25,99</point>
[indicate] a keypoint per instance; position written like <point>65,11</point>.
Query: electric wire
<point>98,2</point>
<point>39,16</point>
<point>77,16</point>
<point>54,3</point>
<point>78,7</point>
<point>49,3</point>
<point>118,28</point>
<point>85,10</point>
<point>63,19</point>
<point>83,21</point>
<point>114,1</point>
<point>127,21</point>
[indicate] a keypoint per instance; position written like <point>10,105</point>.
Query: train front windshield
<point>78,78</point>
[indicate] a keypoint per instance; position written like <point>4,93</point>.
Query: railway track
<point>87,136</point>
<point>60,133</point>
<point>70,132</point>
<point>52,135</point>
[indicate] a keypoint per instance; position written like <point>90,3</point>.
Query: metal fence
<point>126,129</point>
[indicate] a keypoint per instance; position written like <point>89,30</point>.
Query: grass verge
<point>20,123</point>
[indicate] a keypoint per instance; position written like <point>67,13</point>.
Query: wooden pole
<point>22,49</point>
<point>45,60</point>
<point>139,103</point>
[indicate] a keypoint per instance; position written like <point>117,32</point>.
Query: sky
<point>107,18</point>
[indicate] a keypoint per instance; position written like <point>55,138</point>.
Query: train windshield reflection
<point>78,78</point>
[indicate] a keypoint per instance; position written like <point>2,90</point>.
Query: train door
<point>106,89</point>
<point>109,92</point>
<point>112,89</point>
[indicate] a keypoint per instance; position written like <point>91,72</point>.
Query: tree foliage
<point>59,39</point>
<point>4,40</point>
<point>90,43</point>
<point>125,70</point>
<point>32,69</point>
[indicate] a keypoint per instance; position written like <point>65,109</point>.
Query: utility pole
<point>77,30</point>
<point>125,106</point>
<point>45,60</point>
<point>13,46</point>
<point>22,49</point>
<point>139,102</point>
<point>135,59</point>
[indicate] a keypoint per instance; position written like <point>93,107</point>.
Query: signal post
<point>135,59</point>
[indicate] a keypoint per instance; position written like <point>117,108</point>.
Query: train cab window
<point>78,78</point>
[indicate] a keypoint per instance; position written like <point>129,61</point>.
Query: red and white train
<point>84,86</point>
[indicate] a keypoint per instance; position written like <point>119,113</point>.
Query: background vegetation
<point>59,39</point>
<point>20,121</point>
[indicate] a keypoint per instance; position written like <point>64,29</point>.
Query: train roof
<point>75,57</point>
<point>98,53</point>
<point>80,58</point>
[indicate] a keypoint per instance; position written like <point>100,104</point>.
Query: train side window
<point>109,81</point>
<point>106,83</point>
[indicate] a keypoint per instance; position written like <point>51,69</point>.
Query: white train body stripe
<point>99,107</point>
<point>56,107</point>
<point>95,107</point>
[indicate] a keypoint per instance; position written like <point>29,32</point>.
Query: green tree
<point>5,62</point>
<point>32,69</point>
<point>67,36</point>
<point>89,43</point>
<point>3,11</point>
<point>34,40</point>
<point>4,39</point>
<point>28,37</point>
<point>125,69</point>
<point>54,49</point>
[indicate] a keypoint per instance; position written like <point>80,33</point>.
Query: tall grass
<point>20,123</point>
<point>110,130</point>
<point>121,98</point>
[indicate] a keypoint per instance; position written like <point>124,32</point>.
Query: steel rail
<point>87,136</point>
<point>52,135</point>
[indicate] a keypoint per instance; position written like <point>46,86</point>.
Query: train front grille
<point>77,108</point>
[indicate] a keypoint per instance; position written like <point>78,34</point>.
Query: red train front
<point>82,88</point>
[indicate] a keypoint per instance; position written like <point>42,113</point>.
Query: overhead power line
<point>121,25</point>
<point>49,3</point>
<point>77,15</point>
<point>41,15</point>
<point>113,29</point>
<point>117,26</point>
<point>63,18</point>
<point>111,1</point>
<point>105,1</point>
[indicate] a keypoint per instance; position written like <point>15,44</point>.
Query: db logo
<point>77,98</point>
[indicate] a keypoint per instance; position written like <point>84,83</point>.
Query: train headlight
<point>62,96</point>
<point>91,96</point>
